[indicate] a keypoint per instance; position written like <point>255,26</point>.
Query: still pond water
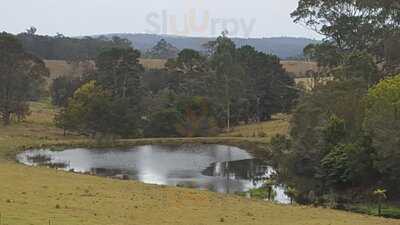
<point>217,168</point>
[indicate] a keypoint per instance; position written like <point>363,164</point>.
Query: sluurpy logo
<point>197,22</point>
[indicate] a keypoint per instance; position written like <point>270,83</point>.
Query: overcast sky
<point>252,18</point>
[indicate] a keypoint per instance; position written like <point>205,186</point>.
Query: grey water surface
<point>217,168</point>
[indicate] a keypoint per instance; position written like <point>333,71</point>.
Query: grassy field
<point>153,63</point>
<point>37,196</point>
<point>37,130</point>
<point>264,130</point>
<point>299,68</point>
<point>57,67</point>
<point>61,67</point>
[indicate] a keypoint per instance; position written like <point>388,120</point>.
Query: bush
<point>262,134</point>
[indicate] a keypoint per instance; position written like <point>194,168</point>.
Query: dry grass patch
<point>153,63</point>
<point>264,130</point>
<point>299,68</point>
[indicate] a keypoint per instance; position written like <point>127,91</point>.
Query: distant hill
<point>152,46</point>
<point>284,47</point>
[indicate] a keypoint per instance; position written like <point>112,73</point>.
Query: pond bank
<point>214,167</point>
<point>256,146</point>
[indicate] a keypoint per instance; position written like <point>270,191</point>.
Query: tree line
<point>60,47</point>
<point>195,95</point>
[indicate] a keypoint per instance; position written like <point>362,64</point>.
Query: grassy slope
<point>38,129</point>
<point>264,130</point>
<point>37,195</point>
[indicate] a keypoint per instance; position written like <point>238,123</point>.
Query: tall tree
<point>20,74</point>
<point>362,25</point>
<point>119,72</point>
<point>269,87</point>
<point>190,74</point>
<point>229,74</point>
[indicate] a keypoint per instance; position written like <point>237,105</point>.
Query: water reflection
<point>250,172</point>
<point>216,168</point>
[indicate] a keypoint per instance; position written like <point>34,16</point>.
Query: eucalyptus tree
<point>229,75</point>
<point>361,25</point>
<point>119,72</point>
<point>20,75</point>
<point>190,74</point>
<point>269,88</point>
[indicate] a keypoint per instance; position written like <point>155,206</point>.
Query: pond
<point>217,168</point>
